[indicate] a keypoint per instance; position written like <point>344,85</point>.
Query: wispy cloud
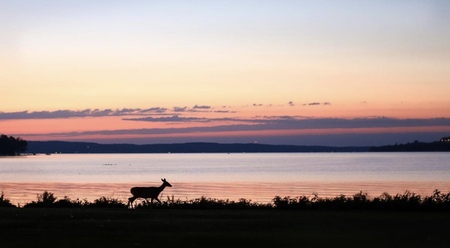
<point>145,113</point>
<point>195,108</point>
<point>180,119</point>
<point>154,110</point>
<point>79,113</point>
<point>268,123</point>
<point>173,118</point>
<point>158,114</point>
<point>201,107</point>
<point>316,103</point>
<point>224,111</point>
<point>65,113</point>
<point>180,109</point>
<point>297,122</point>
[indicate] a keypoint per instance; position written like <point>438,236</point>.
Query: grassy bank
<point>402,220</point>
<point>407,201</point>
<point>102,227</point>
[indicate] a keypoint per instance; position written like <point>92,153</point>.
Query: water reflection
<point>259,177</point>
<point>22,193</point>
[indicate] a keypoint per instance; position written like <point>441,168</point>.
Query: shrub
<point>48,200</point>
<point>44,200</point>
<point>5,202</point>
<point>68,203</point>
<point>437,201</point>
<point>407,201</point>
<point>203,203</point>
<point>301,202</point>
<point>107,202</point>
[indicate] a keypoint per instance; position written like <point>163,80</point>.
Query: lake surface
<point>256,176</point>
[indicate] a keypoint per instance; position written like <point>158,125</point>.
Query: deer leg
<point>151,203</point>
<point>158,200</point>
<point>131,200</point>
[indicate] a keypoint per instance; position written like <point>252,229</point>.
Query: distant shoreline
<point>50,147</point>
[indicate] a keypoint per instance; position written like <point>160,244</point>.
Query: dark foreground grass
<point>103,227</point>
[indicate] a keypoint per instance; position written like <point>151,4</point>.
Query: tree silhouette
<point>10,146</point>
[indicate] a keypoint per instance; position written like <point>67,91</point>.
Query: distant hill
<point>199,147</point>
<point>416,146</point>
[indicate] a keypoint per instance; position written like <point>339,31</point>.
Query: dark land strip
<point>49,147</point>
<point>99,227</point>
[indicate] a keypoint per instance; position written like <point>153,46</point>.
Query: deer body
<point>147,192</point>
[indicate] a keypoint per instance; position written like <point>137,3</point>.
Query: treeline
<point>407,201</point>
<point>10,146</point>
<point>192,147</point>
<point>415,146</point>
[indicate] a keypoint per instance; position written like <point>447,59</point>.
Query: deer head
<point>165,183</point>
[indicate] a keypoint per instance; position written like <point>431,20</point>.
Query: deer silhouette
<point>147,192</point>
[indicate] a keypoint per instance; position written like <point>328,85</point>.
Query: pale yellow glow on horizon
<point>44,89</point>
<point>280,58</point>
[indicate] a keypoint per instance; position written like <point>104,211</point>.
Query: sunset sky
<point>338,72</point>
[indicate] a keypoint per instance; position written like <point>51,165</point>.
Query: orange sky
<point>220,63</point>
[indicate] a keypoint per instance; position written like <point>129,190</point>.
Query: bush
<point>407,201</point>
<point>44,200</point>
<point>106,202</point>
<point>202,203</point>
<point>301,202</point>
<point>5,203</point>
<point>437,201</point>
<point>68,203</point>
<point>48,200</point>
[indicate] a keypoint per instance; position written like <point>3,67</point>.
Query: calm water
<point>256,176</point>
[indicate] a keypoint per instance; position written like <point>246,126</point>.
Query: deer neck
<point>161,188</point>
